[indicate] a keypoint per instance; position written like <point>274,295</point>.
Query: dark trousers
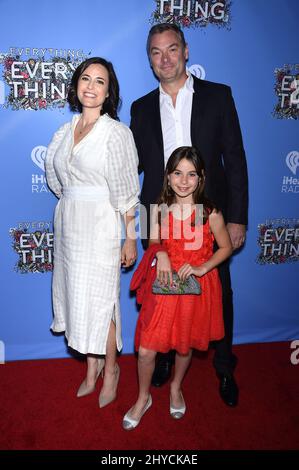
<point>224,360</point>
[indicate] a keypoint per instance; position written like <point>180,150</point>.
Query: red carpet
<point>39,408</point>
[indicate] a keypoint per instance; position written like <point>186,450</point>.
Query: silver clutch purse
<point>179,287</point>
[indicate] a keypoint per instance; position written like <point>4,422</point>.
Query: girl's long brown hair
<point>167,195</point>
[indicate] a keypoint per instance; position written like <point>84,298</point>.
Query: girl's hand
<point>164,271</point>
<point>200,271</point>
<point>128,253</point>
<point>186,270</point>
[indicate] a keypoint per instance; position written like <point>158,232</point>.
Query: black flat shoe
<point>228,390</point>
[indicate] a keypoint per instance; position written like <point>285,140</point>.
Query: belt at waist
<point>86,193</point>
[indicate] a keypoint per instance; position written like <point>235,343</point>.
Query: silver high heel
<point>104,400</point>
<point>130,423</point>
<point>84,390</point>
<point>177,413</point>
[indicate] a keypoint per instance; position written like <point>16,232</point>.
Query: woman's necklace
<point>82,129</point>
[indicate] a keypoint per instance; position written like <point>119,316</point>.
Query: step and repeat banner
<point>251,45</point>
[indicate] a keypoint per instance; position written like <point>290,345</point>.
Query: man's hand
<point>237,233</point>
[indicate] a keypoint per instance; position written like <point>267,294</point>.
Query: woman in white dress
<point>91,166</point>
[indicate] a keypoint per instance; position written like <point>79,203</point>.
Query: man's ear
<point>186,53</point>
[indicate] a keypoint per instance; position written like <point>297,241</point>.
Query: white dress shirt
<point>176,121</point>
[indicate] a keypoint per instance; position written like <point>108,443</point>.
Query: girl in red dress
<point>183,236</point>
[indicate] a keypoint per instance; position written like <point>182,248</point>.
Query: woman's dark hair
<point>193,155</point>
<point>111,103</point>
<point>161,28</point>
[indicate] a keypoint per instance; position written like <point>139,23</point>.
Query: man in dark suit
<point>187,111</point>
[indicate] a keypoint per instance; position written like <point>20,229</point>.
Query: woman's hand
<point>128,253</point>
<point>186,270</point>
<point>164,271</point>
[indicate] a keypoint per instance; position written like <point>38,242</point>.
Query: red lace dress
<point>182,322</point>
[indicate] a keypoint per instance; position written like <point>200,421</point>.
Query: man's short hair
<point>161,28</point>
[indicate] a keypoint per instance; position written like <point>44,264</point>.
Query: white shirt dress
<point>96,182</point>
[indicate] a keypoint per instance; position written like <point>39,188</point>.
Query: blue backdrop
<point>255,52</point>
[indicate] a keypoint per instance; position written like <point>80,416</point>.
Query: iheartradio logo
<point>38,156</point>
<point>292,161</point>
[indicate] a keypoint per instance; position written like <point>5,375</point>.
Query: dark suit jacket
<point>215,131</point>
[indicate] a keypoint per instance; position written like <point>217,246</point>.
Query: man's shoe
<point>162,372</point>
<point>228,390</point>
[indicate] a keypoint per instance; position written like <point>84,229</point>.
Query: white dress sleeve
<point>51,176</point>
<point>122,169</point>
